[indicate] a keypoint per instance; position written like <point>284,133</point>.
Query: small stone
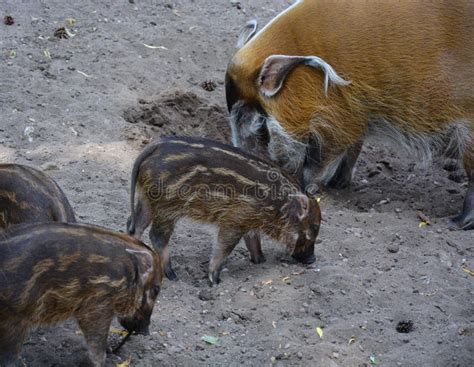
<point>206,295</point>
<point>393,248</point>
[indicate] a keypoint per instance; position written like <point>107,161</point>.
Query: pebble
<point>393,248</point>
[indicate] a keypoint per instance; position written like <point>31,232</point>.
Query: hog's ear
<point>143,265</point>
<point>276,68</point>
<point>300,206</point>
<point>247,32</point>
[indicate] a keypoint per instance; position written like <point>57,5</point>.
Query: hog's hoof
<point>170,274</point>
<point>258,260</point>
<point>214,278</point>
<point>462,222</point>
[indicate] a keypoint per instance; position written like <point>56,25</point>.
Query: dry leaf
<point>274,324</point>
<point>125,363</point>
<point>118,332</point>
<point>423,218</point>
<point>467,270</point>
<point>155,47</point>
<point>320,332</point>
<point>352,340</point>
<point>82,73</point>
<point>267,282</point>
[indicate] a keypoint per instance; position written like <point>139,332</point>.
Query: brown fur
<point>410,63</point>
<point>46,278</point>
<point>28,195</point>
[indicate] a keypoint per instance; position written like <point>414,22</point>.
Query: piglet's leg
<point>12,337</point>
<point>160,234</point>
<point>142,218</point>
<point>95,326</point>
<point>227,239</point>
<point>254,245</point>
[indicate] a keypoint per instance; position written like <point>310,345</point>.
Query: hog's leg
<point>95,327</point>
<point>142,219</point>
<point>160,234</point>
<point>343,176</point>
<point>227,239</point>
<point>465,220</point>
<point>254,245</point>
<point>12,337</point>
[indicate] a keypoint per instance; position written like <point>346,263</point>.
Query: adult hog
<point>50,272</point>
<point>219,184</point>
<point>324,76</point>
<point>28,195</point>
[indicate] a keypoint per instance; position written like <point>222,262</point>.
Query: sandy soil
<point>82,108</point>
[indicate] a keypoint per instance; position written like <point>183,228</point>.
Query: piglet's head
<point>148,277</point>
<point>303,218</point>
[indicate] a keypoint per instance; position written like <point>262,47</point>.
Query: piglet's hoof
<point>170,274</point>
<point>214,278</point>
<point>305,259</point>
<point>258,260</point>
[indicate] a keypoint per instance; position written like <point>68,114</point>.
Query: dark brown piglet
<point>50,272</point>
<point>219,184</point>
<point>28,195</point>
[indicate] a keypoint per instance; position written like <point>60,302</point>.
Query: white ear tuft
<point>247,32</point>
<point>276,68</point>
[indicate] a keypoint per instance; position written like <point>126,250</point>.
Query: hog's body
<point>50,272</point>
<point>219,184</point>
<point>28,195</point>
<point>324,76</point>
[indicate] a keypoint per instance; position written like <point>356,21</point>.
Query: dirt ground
<point>82,108</point>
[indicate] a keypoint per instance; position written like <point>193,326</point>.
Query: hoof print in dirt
<point>8,20</point>
<point>180,112</point>
<point>208,85</point>
<point>405,327</point>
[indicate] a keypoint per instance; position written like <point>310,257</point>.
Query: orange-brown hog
<point>323,76</point>
<point>28,195</point>
<point>50,272</point>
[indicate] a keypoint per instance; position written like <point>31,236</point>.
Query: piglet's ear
<point>247,32</point>
<point>144,265</point>
<point>276,68</point>
<point>298,207</point>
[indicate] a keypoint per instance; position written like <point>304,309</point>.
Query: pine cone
<point>8,20</point>
<point>208,85</point>
<point>61,33</point>
<point>405,326</point>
